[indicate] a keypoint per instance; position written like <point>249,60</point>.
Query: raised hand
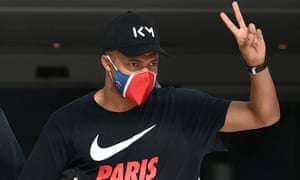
<point>249,39</point>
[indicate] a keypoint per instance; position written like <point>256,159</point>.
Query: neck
<point>110,99</point>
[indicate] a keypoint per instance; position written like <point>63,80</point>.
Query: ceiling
<point>182,23</point>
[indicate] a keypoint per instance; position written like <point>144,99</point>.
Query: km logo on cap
<point>140,31</point>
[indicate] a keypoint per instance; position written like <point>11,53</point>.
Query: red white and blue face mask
<point>136,86</point>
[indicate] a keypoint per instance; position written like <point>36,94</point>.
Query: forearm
<point>263,98</point>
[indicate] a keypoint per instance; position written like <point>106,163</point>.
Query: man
<point>11,155</point>
<point>130,130</point>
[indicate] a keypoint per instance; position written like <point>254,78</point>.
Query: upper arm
<point>240,116</point>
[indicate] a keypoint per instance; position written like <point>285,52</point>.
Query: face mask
<point>136,86</point>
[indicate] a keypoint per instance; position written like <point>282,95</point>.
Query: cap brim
<point>139,50</point>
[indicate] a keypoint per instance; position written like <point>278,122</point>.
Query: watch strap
<point>256,69</point>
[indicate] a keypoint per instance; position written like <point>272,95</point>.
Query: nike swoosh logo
<point>98,153</point>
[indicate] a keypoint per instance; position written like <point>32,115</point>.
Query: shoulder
<point>3,119</point>
<point>1,111</point>
<point>181,96</point>
<point>181,93</point>
<point>190,97</point>
<point>73,108</point>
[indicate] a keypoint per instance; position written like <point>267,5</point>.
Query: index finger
<point>229,23</point>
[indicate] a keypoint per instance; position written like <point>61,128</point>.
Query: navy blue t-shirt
<point>164,138</point>
<point>11,155</point>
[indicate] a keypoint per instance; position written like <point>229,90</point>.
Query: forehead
<point>151,55</point>
<point>146,56</point>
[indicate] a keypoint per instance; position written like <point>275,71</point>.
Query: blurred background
<point>50,50</point>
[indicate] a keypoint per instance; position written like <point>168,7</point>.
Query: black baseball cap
<point>132,34</point>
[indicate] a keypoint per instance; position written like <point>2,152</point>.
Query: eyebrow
<point>138,60</point>
<point>135,60</point>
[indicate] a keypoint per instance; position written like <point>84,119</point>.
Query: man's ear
<point>105,63</point>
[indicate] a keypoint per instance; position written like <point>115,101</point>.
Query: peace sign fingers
<point>230,25</point>
<point>249,38</point>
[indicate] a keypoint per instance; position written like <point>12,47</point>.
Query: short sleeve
<point>202,118</point>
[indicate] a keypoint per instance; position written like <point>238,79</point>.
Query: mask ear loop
<point>114,66</point>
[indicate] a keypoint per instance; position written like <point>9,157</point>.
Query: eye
<point>133,64</point>
<point>153,64</point>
